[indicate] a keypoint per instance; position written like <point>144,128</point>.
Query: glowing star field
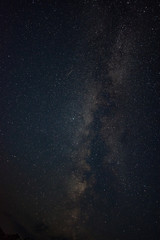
<point>79,110</point>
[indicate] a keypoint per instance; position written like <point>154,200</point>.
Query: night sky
<point>79,110</point>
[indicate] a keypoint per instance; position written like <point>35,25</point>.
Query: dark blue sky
<point>79,110</point>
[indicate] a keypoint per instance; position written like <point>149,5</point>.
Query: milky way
<point>104,115</point>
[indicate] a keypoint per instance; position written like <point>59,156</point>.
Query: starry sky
<point>79,110</point>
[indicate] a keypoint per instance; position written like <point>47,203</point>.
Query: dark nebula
<point>79,110</point>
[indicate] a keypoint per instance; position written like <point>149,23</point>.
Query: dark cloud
<point>40,227</point>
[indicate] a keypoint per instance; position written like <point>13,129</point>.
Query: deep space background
<point>79,111</point>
